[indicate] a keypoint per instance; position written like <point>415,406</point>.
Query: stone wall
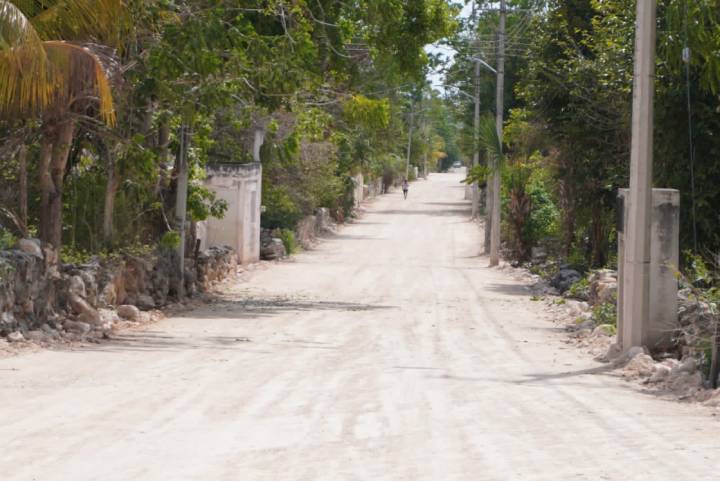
<point>313,226</point>
<point>83,298</point>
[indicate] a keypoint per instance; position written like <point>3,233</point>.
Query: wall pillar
<point>656,330</point>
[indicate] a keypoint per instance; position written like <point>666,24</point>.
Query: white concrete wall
<point>240,186</point>
<point>358,195</point>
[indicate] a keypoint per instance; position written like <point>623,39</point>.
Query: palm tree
<point>50,69</point>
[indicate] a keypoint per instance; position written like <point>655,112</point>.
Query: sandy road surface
<point>390,353</point>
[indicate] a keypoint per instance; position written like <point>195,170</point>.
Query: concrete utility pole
<point>409,145</point>
<point>476,121</point>
<point>636,307</point>
<point>496,177</point>
<point>476,155</point>
<point>181,204</point>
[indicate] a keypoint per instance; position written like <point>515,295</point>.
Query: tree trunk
<point>163,145</point>
<point>47,188</point>
<point>56,149</point>
<point>113,183</point>
<point>22,190</point>
<point>598,238</point>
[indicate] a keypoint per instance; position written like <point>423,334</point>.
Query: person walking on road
<point>405,188</point>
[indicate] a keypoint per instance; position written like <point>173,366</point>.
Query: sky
<point>437,78</point>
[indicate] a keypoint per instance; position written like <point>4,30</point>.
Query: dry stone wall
<point>37,301</point>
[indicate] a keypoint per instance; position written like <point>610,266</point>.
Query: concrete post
<point>636,268</point>
<point>664,260</point>
<point>409,144</point>
<point>181,205</point>
<point>496,176</point>
<point>476,155</point>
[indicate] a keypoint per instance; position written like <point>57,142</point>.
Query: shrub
<point>288,239</point>
<point>579,290</point>
<point>281,212</point>
<point>170,240</point>
<point>7,240</point>
<point>605,313</point>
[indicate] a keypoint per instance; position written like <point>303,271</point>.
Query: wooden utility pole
<point>496,176</point>
<point>636,269</point>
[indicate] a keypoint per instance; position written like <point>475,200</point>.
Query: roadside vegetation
<point>107,107</point>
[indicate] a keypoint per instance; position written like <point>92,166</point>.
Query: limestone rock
<point>77,326</point>
<point>660,374</point>
<point>576,309</point>
<point>76,286</point>
<point>16,336</point>
<point>607,330</point>
<point>273,250</point>
<point>35,335</point>
<point>689,365</point>
<point>696,318</point>
<point>564,279</point>
<point>30,246</point>
<point>7,322</point>
<point>640,365</point>
<point>145,302</point>
<point>603,287</point>
<point>128,312</point>
<point>108,317</point>
<point>85,312</point>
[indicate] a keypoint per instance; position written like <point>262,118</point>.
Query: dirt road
<point>389,353</point>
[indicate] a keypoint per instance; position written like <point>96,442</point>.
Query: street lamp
<point>484,64</point>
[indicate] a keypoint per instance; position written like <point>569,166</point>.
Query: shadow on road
<point>436,212</point>
<point>256,307</point>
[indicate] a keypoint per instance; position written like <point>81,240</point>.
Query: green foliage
<point>697,272</point>
<point>367,113</point>
<point>203,203</point>
<point>579,290</point>
<point>7,240</point>
<point>280,209</point>
<point>477,174</point>
<point>69,255</point>
<point>288,239</point>
<point>605,313</point>
<point>543,222</point>
<point>170,240</point>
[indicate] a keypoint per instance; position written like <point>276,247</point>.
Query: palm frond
<point>24,80</point>
<point>84,77</point>
<point>101,21</point>
<point>490,141</point>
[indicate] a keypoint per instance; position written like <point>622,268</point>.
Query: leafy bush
<point>605,313</point>
<point>544,218</point>
<point>280,209</point>
<point>579,290</point>
<point>7,240</point>
<point>70,255</point>
<point>170,240</point>
<point>203,203</point>
<point>288,239</point>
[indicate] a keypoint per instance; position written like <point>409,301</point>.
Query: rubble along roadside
<point>584,306</point>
